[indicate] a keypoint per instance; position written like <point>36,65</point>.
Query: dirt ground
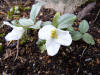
<point>78,59</point>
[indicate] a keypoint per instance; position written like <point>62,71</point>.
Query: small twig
<point>83,52</point>
<point>8,55</point>
<point>8,43</point>
<point>97,16</point>
<point>86,10</point>
<point>80,59</point>
<point>17,49</point>
<point>27,2</point>
<point>64,10</point>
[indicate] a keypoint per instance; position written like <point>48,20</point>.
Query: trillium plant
<point>21,25</point>
<point>60,32</point>
<point>13,10</point>
<point>53,34</point>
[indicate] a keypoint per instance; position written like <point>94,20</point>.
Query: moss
<point>2,35</point>
<point>22,42</point>
<point>1,47</point>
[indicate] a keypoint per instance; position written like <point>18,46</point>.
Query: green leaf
<point>55,19</point>
<point>14,22</point>
<point>41,44</point>
<point>42,48</point>
<point>35,10</point>
<point>22,41</point>
<point>84,26</point>
<point>26,22</point>
<point>11,12</point>
<point>46,23</point>
<point>2,34</point>
<point>23,22</point>
<point>37,25</point>
<point>26,8</point>
<point>66,20</point>
<point>25,27</point>
<point>76,35</point>
<point>88,39</point>
<point>70,28</point>
<point>16,10</point>
<point>9,15</point>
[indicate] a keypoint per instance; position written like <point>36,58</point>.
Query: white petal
<point>64,38</point>
<point>25,22</point>
<point>45,32</point>
<point>52,47</point>
<point>15,34</point>
<point>7,23</point>
<point>11,9</point>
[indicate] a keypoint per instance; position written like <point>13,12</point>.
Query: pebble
<point>33,64</point>
<point>89,59</point>
<point>89,73</point>
<point>4,73</point>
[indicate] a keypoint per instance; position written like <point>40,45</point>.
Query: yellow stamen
<point>54,33</point>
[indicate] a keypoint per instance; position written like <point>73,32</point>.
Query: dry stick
<point>27,2</point>
<point>8,43</point>
<point>80,59</point>
<point>86,10</point>
<point>9,55</point>
<point>17,49</point>
<point>97,16</point>
<point>83,52</point>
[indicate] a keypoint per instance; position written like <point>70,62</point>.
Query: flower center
<point>54,33</point>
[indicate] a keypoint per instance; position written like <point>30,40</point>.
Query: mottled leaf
<point>84,26</point>
<point>35,11</point>
<point>88,39</point>
<point>55,19</point>
<point>66,20</point>
<point>76,35</point>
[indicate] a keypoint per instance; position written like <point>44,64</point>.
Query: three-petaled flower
<point>54,38</point>
<point>15,34</point>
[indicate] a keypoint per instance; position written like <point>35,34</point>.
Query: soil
<point>78,59</point>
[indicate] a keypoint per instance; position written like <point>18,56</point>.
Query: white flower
<point>15,34</point>
<point>54,38</point>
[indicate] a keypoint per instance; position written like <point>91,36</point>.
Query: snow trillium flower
<point>15,34</point>
<point>54,38</point>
